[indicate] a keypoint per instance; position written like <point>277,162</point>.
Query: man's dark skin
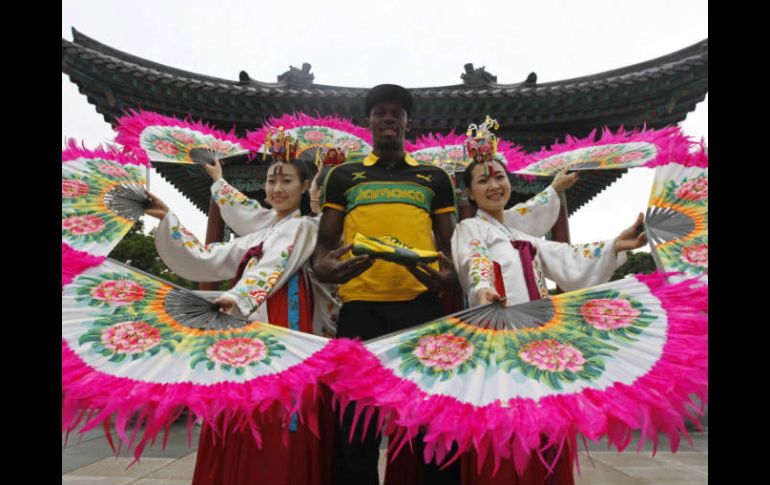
<point>388,123</point>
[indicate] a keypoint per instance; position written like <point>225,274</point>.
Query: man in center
<point>386,194</point>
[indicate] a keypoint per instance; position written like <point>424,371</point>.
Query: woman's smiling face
<point>283,188</point>
<point>490,190</point>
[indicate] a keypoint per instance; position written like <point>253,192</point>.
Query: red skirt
<point>407,468</point>
<point>535,474</point>
<point>286,457</point>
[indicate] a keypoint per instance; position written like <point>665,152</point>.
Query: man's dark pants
<point>366,320</point>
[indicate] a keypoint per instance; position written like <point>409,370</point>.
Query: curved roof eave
<point>693,55</point>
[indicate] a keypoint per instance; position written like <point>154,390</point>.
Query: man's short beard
<point>389,145</point>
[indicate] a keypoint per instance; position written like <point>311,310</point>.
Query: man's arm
<point>443,228</point>
<point>445,279</point>
<point>326,259</point>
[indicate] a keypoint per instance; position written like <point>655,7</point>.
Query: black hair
<point>467,178</point>
<point>305,174</point>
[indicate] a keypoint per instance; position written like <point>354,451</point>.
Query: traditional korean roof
<point>657,92</point>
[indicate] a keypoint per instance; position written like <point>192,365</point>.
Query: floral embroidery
<point>590,250</point>
<point>255,288</point>
<point>542,286</point>
<point>609,314</point>
<point>481,268</point>
<point>543,198</point>
<point>188,240</point>
<point>228,195</point>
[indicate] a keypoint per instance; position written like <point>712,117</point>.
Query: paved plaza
<point>91,462</point>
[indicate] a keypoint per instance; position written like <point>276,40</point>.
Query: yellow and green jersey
<point>378,201</point>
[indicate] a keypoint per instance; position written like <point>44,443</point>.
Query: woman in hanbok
<point>269,268</point>
<point>495,259</point>
<point>246,216</point>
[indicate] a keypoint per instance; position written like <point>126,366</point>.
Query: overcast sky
<point>413,43</point>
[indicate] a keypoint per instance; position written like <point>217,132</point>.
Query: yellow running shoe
<point>391,249</point>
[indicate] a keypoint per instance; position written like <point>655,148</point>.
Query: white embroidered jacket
<point>245,216</point>
<point>287,246</point>
<point>482,240</point>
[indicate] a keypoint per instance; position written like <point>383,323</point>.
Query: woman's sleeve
<point>578,266</point>
<point>472,260</point>
<point>537,215</point>
<point>187,257</point>
<point>284,253</point>
<point>241,214</point>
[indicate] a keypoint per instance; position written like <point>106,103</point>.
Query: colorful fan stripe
<point>153,137</point>
<point>623,149</point>
<point>124,353</point>
<point>316,132</point>
<point>614,358</point>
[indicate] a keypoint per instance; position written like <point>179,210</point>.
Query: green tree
<point>138,250</point>
<point>640,262</point>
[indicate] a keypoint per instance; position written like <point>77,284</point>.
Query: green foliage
<point>637,263</point>
<point>138,250</point>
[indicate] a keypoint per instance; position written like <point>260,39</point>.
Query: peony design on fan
<point>235,352</point>
<point>440,351</point>
<point>112,291</point>
<point>619,155</point>
<point>73,188</point>
<point>553,357</point>
<point>693,190</point>
<point>175,143</point>
<point>130,338</point>
<point>696,255</point>
<point>443,352</point>
<point>82,225</point>
<point>608,314</point>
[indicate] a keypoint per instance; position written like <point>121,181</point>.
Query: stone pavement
<point>91,462</point>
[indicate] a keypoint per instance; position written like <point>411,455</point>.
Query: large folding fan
<point>102,197</point>
<point>603,361</point>
<point>447,152</point>
<point>314,133</point>
<point>152,137</point>
<point>623,149</point>
<point>136,346</point>
<point>677,219</point>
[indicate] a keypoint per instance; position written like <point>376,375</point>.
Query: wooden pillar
<point>215,232</point>
<point>560,230</point>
